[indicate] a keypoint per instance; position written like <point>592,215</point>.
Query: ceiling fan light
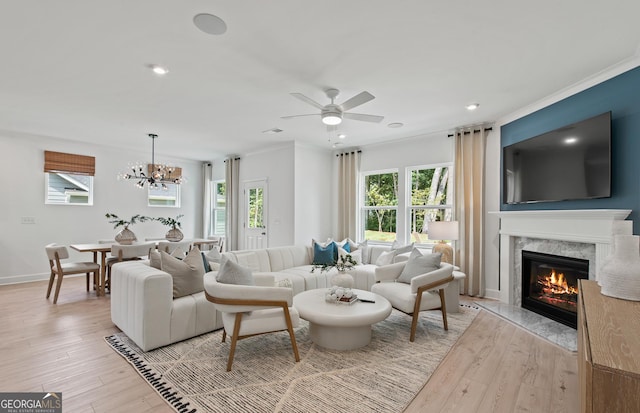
<point>331,119</point>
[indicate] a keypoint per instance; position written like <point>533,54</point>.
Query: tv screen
<point>572,162</point>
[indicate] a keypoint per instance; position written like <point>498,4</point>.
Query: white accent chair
<point>55,253</point>
<point>426,291</point>
<point>249,310</point>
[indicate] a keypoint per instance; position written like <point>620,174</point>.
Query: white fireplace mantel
<point>593,226</point>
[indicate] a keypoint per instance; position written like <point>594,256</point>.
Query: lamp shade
<point>443,230</point>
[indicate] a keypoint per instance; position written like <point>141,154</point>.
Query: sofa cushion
<point>187,273</point>
<point>355,255</point>
<point>385,258</point>
<point>324,255</point>
<point>419,264</point>
<point>233,273</point>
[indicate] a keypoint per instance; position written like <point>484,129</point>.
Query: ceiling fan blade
<point>357,100</point>
<point>299,116</point>
<point>360,116</point>
<point>307,100</point>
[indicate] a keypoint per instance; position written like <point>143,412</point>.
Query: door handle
<point>264,233</point>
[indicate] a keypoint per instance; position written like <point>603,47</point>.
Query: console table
<point>608,351</point>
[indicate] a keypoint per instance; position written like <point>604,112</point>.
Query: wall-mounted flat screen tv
<point>572,162</point>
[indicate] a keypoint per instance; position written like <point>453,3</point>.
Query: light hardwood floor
<point>494,367</point>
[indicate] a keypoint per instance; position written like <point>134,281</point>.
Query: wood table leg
<point>103,272</point>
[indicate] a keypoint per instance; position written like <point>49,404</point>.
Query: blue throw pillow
<point>325,255</point>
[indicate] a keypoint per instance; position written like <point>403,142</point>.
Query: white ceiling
<point>78,69</point>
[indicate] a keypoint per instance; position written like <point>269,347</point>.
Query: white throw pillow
<point>232,273</point>
<point>187,273</point>
<point>419,264</point>
<point>385,258</point>
<point>355,255</point>
<point>213,255</point>
<point>401,249</point>
<point>363,247</point>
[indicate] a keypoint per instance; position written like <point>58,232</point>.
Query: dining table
<point>105,248</point>
<point>96,248</point>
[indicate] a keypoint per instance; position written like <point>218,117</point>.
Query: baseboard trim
<point>27,278</point>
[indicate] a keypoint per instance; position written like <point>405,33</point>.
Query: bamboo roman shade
<point>69,163</point>
<point>177,171</point>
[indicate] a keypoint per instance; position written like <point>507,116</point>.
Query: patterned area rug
<point>381,377</point>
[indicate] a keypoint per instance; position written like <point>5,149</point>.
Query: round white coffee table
<point>341,326</point>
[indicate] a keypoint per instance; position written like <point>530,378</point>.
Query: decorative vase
<point>617,228</point>
<point>621,275</point>
<point>342,279</point>
<point>126,236</point>
<point>174,235</point>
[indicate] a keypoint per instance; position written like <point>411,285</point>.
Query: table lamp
<point>443,230</point>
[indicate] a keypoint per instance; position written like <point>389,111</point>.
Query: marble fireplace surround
<point>574,233</point>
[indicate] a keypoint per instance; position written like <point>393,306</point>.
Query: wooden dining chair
<point>55,253</point>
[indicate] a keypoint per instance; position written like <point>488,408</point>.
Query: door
<point>255,215</point>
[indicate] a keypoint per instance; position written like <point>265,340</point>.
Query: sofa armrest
<point>389,272</point>
<point>434,279</point>
<point>141,303</point>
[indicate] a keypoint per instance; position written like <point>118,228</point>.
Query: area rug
<point>381,377</point>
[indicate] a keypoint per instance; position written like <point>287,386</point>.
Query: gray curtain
<point>207,186</point>
<point>232,180</point>
<point>469,206</point>
<point>348,174</point>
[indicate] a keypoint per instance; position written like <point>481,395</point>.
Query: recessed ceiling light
<point>570,141</point>
<point>472,106</point>
<point>210,24</point>
<point>395,125</point>
<point>342,136</point>
<point>159,70</point>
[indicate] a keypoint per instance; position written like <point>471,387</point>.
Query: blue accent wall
<point>621,96</point>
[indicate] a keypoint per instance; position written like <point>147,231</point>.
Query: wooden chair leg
<point>234,339</point>
<point>416,314</point>
<point>224,335</point>
<point>58,284</point>
<point>287,318</point>
<point>88,279</point>
<point>443,307</point>
<point>51,278</point>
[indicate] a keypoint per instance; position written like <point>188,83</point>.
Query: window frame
<point>47,199</point>
<point>363,208</point>
<point>215,208</point>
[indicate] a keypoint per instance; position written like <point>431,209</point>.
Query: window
<point>255,204</point>
<point>379,210</point>
<point>430,200</point>
<point>71,189</point>
<point>167,195</point>
<point>68,178</point>
<point>219,208</point>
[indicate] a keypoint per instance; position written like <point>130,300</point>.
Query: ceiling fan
<point>333,113</point>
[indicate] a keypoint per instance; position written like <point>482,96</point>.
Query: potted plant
<point>174,234</point>
<point>344,264</point>
<point>125,236</point>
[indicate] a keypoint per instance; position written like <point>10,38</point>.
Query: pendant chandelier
<point>156,175</point>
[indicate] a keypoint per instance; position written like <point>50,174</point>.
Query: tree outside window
<point>430,200</point>
<point>380,206</point>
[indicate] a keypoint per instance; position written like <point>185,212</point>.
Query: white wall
<point>492,222</point>
<point>277,166</point>
<point>22,246</point>
<point>314,193</point>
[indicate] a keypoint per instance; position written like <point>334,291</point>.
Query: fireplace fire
<point>550,285</point>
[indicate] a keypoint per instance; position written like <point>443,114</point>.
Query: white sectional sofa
<point>142,304</point>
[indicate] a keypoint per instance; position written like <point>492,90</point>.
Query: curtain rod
<point>468,132</point>
<point>348,153</point>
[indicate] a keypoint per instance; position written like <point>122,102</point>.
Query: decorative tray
<point>339,295</point>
